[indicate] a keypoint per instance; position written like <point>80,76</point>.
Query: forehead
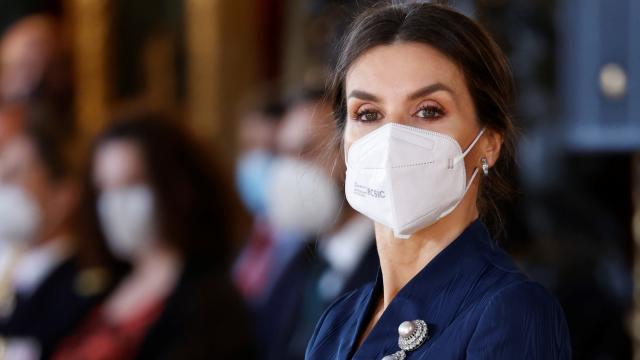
<point>304,125</point>
<point>402,67</point>
<point>118,158</point>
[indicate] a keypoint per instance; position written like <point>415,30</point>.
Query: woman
<point>44,291</point>
<point>421,96</point>
<point>155,201</point>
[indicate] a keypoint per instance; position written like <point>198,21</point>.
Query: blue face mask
<point>252,179</point>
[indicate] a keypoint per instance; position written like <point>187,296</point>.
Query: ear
<point>491,145</point>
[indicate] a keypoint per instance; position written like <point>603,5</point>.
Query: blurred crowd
<point>141,244</point>
<point>307,246</point>
<point>117,249</point>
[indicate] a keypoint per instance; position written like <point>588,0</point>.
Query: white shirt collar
<point>345,248</point>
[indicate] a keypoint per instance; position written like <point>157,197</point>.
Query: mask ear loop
<point>473,176</point>
<point>473,143</point>
<point>457,159</point>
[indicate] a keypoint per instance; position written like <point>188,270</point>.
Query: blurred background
<point>116,116</point>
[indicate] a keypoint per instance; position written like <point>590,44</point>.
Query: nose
<point>398,112</point>
<point>397,117</point>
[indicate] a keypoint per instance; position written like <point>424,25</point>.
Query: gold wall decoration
<point>221,58</point>
<point>203,33</point>
<point>89,25</point>
<point>221,66</point>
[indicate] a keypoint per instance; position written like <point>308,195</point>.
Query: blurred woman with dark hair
<point>157,203</point>
<point>44,292</point>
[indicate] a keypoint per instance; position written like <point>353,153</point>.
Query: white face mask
<point>20,215</point>
<point>406,178</point>
<point>301,197</point>
<point>128,220</point>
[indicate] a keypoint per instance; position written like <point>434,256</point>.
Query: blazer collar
<point>434,295</point>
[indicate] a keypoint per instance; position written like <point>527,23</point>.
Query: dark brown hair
<point>198,212</point>
<point>465,43</point>
<point>52,132</point>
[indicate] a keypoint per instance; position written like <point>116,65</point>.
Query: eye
<point>367,115</point>
<point>430,112</point>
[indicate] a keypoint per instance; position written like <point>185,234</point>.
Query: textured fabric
<point>477,305</point>
<point>99,338</point>
<point>52,311</point>
<point>202,318</point>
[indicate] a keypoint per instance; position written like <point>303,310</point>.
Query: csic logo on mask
<point>365,191</point>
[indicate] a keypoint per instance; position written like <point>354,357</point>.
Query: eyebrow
<point>362,95</point>
<point>429,89</point>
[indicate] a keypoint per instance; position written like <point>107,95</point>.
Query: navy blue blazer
<point>476,303</point>
<point>53,310</point>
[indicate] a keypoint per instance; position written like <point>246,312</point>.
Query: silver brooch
<point>398,355</point>
<point>412,334</point>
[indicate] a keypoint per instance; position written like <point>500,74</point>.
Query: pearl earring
<point>485,165</point>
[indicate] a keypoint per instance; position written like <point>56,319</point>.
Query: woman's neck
<point>157,259</point>
<point>402,259</point>
<point>154,275</point>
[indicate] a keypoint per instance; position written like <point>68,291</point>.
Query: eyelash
<point>437,113</point>
<point>364,112</point>
<point>436,110</point>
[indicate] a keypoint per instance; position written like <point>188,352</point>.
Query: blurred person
<point>34,61</point>
<point>323,248</point>
<point>253,269</point>
<point>252,272</point>
<point>34,64</point>
<point>421,98</point>
<point>156,201</point>
<point>44,290</point>
<point>256,140</point>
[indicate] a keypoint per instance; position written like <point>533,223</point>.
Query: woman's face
<point>126,205</point>
<point>411,84</point>
<point>118,164</point>
<point>21,167</point>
